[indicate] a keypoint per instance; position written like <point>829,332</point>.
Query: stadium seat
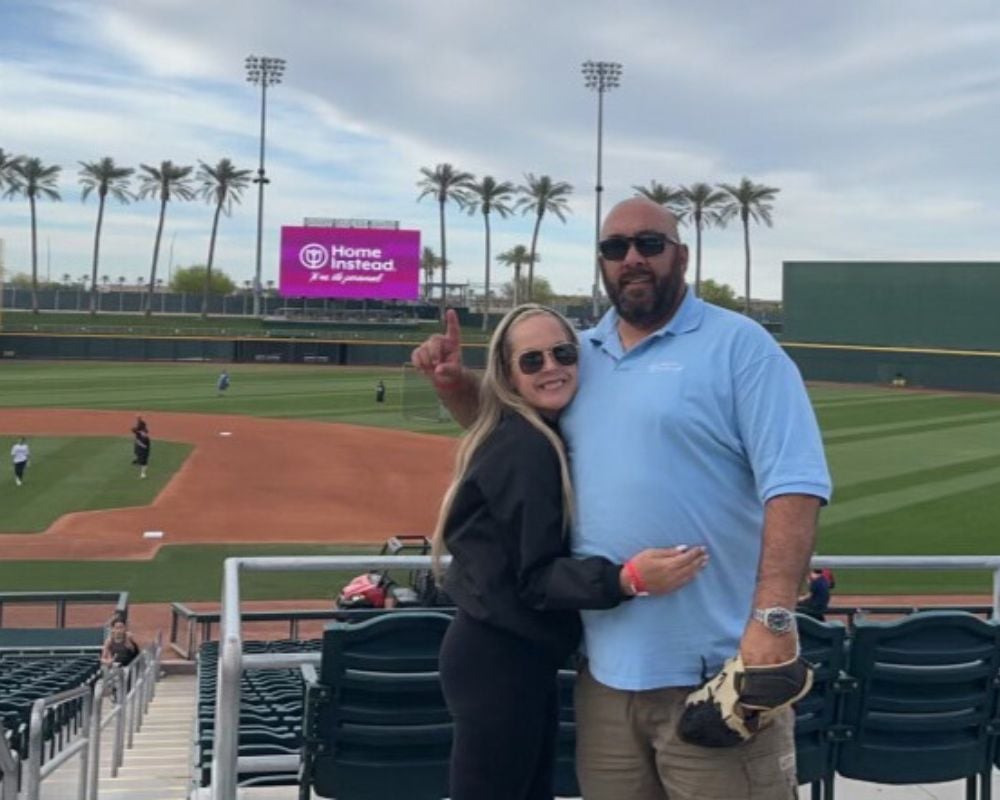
<point>376,724</point>
<point>926,700</point>
<point>564,781</point>
<point>817,715</point>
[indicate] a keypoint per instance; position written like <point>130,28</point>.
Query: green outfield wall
<point>932,324</point>
<point>84,347</point>
<point>938,369</point>
<point>924,305</point>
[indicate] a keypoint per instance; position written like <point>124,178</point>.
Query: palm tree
<point>29,177</point>
<point>7,164</point>
<point>663,195</point>
<point>703,205</point>
<point>444,183</point>
<point>751,201</point>
<point>538,196</point>
<point>222,184</point>
<point>165,181</point>
<point>105,177</point>
<point>486,196</point>
<point>516,257</point>
<point>429,263</point>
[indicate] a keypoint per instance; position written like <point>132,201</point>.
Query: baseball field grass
<point>914,472</point>
<point>82,473</point>
<point>184,573</point>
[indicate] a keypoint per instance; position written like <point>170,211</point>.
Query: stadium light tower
<point>601,76</point>
<point>262,71</point>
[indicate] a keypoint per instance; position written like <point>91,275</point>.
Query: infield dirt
<point>248,480</point>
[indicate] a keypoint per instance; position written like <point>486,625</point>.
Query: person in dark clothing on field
<point>505,520</point>
<point>141,445</point>
<point>380,392</point>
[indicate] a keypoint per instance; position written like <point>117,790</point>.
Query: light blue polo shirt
<point>682,440</point>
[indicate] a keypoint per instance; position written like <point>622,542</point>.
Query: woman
<point>505,519</point>
<point>119,648</point>
<point>141,445</point>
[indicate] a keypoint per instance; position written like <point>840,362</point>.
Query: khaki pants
<point>627,749</point>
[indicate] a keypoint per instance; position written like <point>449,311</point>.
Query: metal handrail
<point>36,771</point>
<point>225,756</point>
<point>199,623</point>
<point>9,767</point>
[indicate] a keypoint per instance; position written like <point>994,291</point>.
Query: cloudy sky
<point>879,120</point>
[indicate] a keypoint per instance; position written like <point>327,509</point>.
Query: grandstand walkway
<point>158,766</point>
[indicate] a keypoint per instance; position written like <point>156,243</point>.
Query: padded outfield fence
<point>226,763</point>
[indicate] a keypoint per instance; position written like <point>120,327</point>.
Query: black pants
<point>501,691</point>
<point>19,469</point>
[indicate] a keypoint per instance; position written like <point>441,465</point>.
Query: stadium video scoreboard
<point>348,258</point>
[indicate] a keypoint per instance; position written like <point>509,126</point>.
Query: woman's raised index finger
<point>452,330</point>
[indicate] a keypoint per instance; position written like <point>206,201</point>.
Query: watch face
<point>779,620</point>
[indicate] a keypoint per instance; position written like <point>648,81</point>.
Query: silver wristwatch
<point>776,619</point>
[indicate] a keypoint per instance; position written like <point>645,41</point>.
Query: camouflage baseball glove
<point>731,707</point>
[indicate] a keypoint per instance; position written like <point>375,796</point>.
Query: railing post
<point>227,704</point>
<point>174,620</point>
<point>94,762</point>
<point>88,713</point>
<point>118,753</point>
<point>33,773</point>
<point>996,594</point>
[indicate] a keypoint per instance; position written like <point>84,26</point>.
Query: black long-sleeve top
<point>511,565</point>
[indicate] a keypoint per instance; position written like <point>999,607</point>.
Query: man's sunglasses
<point>615,248</point>
<point>532,361</point>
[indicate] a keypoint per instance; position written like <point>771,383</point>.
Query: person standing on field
<point>20,454</point>
<point>141,446</point>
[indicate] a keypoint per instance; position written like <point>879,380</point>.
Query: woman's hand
<point>661,570</point>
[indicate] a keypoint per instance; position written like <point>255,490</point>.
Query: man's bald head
<point>639,213</point>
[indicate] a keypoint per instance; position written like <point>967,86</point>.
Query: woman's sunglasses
<point>615,248</point>
<point>532,361</point>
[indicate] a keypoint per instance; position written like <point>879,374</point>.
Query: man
<point>691,426</point>
<point>20,454</point>
<point>816,600</point>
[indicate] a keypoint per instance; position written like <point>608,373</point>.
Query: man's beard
<point>645,309</point>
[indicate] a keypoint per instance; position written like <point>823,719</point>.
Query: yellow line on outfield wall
<point>876,349</point>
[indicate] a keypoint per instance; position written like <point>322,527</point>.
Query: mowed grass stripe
<point>885,429</point>
<point>82,473</point>
<point>911,429</point>
<point>834,420</point>
<point>321,393</point>
<point>868,399</point>
<point>960,523</point>
<point>902,499</point>
<point>915,478</point>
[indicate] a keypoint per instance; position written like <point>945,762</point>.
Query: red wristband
<point>638,586</point>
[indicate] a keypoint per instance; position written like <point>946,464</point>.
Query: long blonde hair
<point>496,395</point>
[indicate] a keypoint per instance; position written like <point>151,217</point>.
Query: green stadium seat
<point>376,724</point>
<point>926,702</point>
<point>817,715</point>
<point>564,780</point>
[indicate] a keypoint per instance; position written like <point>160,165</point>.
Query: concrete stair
<point>158,766</point>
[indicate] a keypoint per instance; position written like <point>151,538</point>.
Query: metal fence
<point>130,689</point>
<point>226,764</point>
<point>62,601</point>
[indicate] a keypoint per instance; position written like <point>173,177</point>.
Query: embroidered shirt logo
<point>666,366</point>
